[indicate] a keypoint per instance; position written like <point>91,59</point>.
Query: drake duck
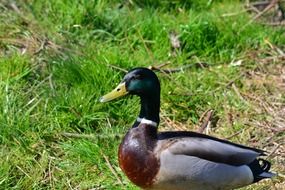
<point>179,160</point>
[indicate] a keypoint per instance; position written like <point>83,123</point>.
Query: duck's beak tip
<point>102,99</point>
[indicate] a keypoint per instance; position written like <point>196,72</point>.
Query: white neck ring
<point>147,121</point>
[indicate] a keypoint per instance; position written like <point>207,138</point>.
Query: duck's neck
<point>149,110</point>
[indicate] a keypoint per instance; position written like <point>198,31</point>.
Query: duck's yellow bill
<point>119,91</point>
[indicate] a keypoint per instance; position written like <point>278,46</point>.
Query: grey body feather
<point>212,150</point>
<point>194,163</point>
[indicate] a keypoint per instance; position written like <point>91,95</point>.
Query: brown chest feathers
<point>136,157</point>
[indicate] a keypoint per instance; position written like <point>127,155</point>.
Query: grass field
<point>58,57</point>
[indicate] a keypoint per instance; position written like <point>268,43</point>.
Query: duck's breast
<point>136,157</point>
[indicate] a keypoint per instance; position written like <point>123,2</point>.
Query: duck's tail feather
<point>260,169</point>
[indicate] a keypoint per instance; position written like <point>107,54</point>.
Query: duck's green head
<point>139,81</point>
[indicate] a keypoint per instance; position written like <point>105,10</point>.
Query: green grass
<point>55,64</point>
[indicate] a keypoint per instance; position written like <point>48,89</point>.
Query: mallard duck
<point>179,160</point>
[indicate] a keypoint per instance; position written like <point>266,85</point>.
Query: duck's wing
<point>207,148</point>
